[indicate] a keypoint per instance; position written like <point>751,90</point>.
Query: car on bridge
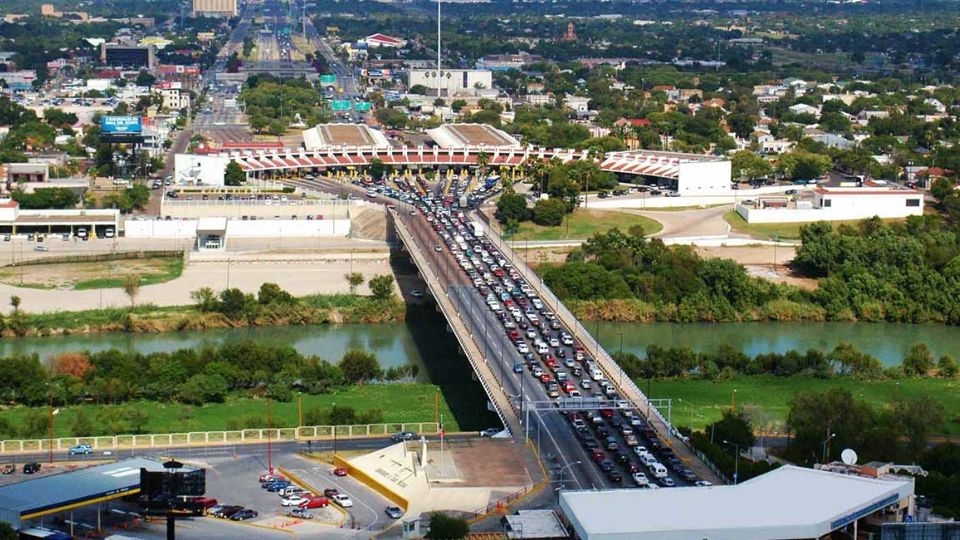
<point>80,449</point>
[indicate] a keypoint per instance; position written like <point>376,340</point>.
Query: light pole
<point>560,472</point>
<point>736,461</point>
<point>826,443</point>
<point>620,360</point>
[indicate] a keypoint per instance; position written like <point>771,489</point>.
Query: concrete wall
<point>160,229</point>
<point>285,228</point>
<point>705,178</point>
<point>196,209</point>
<point>261,228</point>
<point>804,215</point>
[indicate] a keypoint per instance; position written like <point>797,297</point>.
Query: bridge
<point>524,407</point>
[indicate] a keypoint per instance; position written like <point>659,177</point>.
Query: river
<point>397,344</point>
<point>888,342</point>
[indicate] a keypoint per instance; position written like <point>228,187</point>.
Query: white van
<point>658,470</point>
<point>542,347</point>
<point>595,372</point>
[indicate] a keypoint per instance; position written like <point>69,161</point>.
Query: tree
<point>7,532</point>
<point>748,165</point>
<point>457,105</point>
<point>271,294</point>
<point>445,527</point>
<point>376,168</point>
<point>814,416</point>
<point>72,364</point>
<point>81,425</point>
<point>941,188</point>
<point>205,298</point>
<point>15,303</point>
<point>733,427</point>
<point>512,207</point>
<point>36,423</point>
<point>947,367</point>
<point>549,212</point>
<point>920,416</point>
<point>381,287</point>
<point>360,366</point>
<point>354,279</point>
<point>234,175</point>
<point>803,165</point>
<point>131,287</point>
<point>202,388</point>
<point>919,360</point>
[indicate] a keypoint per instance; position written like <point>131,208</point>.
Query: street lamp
<point>560,472</point>
<point>826,443</point>
<point>736,461</point>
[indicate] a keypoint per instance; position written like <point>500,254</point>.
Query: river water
<point>397,344</point>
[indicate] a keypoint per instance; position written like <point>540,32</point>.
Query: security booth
<point>212,233</point>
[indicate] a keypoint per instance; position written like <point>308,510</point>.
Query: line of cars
<point>618,439</point>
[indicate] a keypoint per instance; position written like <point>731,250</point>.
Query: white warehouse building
<point>690,175</point>
<point>787,503</point>
<point>452,81</point>
<point>842,203</point>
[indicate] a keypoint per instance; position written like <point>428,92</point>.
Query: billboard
<point>121,124</point>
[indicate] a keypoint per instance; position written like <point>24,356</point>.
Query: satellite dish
<point>849,456</point>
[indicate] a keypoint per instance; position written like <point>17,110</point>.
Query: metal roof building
<point>789,502</point>
<point>24,501</point>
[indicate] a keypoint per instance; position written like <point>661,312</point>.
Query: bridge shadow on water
<point>445,365</point>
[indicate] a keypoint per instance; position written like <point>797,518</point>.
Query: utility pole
<point>438,49</point>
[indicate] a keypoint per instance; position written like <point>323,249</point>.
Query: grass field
<point>697,402</point>
<point>399,402</point>
<point>165,269</point>
<point>93,275</point>
<point>786,231</point>
<point>583,223</point>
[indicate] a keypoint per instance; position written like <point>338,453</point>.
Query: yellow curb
<point>298,481</point>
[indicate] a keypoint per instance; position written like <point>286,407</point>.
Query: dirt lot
<point>89,274</point>
<point>489,462</point>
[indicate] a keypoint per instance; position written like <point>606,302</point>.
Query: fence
<point>100,257</point>
<point>202,438</point>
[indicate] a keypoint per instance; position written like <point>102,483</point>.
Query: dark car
<point>30,468</point>
<point>666,481</point>
<point>688,475</point>
<point>614,476</point>
<point>226,511</point>
<point>330,492</point>
<point>606,465</point>
<point>394,512</point>
<point>612,444</point>
<point>403,436</point>
<point>244,515</point>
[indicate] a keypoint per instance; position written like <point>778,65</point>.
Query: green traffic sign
<point>328,78</point>
<point>362,106</point>
<point>340,105</point>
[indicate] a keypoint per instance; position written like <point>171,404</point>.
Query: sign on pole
<point>362,106</point>
<point>328,78</point>
<point>340,105</point>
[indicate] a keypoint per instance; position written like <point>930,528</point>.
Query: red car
<point>606,413</point>
<point>513,335</point>
<point>546,378</point>
<point>315,502</point>
<point>598,455</point>
<point>270,477</point>
<point>206,502</point>
<point>340,471</point>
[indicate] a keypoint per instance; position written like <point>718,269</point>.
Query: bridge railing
<point>206,438</point>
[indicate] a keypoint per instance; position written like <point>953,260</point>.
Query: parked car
<point>394,512</point>
<point>299,513</point>
<point>340,471</point>
<point>293,500</point>
<point>316,502</point>
<point>244,515</point>
<point>80,449</point>
<point>9,468</point>
<point>225,511</point>
<point>490,432</point>
<point>30,468</point>
<point>208,503</point>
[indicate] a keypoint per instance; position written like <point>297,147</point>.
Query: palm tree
<point>482,161</point>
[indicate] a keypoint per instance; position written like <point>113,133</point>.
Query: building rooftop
<point>50,494</point>
<point>535,524</point>
<point>789,502</point>
<point>459,135</point>
<point>331,135</point>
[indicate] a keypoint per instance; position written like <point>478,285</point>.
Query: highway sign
<point>120,124</point>
<point>340,105</point>
<point>328,78</point>
<point>362,106</point>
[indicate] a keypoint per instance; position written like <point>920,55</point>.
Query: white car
<point>531,333</point>
<point>522,348</point>
<point>343,500</point>
<point>641,479</point>
<point>296,500</point>
<point>586,384</point>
